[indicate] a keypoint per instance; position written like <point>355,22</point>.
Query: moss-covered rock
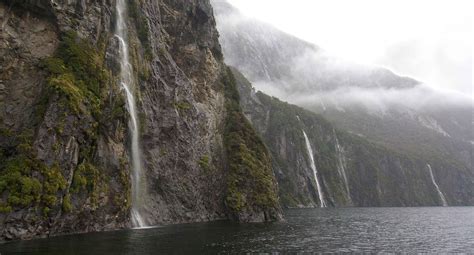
<point>26,181</point>
<point>77,72</point>
<point>90,179</point>
<point>251,187</point>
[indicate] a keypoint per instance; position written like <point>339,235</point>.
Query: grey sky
<point>430,40</point>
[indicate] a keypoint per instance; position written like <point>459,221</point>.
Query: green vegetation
<point>403,137</point>
<point>79,76</point>
<point>52,183</point>
<point>67,205</point>
<point>78,81</point>
<point>123,199</point>
<point>141,25</point>
<point>250,182</point>
<point>369,164</point>
<point>77,72</point>
<point>281,123</point>
<point>25,180</point>
<point>182,106</point>
<point>16,180</point>
<point>118,109</point>
<point>204,163</point>
<point>87,177</point>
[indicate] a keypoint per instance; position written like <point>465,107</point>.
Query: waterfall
<point>323,105</point>
<point>441,195</point>
<point>341,163</point>
<point>127,84</point>
<point>315,171</point>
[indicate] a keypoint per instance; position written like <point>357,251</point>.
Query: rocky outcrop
<point>353,171</point>
<point>64,139</point>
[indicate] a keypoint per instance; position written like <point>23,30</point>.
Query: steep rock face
<point>353,171</point>
<point>183,109</point>
<point>64,137</point>
<point>57,149</point>
<point>185,117</point>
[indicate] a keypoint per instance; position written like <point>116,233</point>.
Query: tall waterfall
<point>441,195</point>
<point>127,83</point>
<point>315,171</point>
<point>341,166</point>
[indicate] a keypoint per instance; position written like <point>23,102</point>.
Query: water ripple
<point>343,230</point>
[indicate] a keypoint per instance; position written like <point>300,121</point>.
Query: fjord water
<point>422,229</point>
<point>126,82</point>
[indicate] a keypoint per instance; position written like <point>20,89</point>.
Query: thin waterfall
<point>315,171</point>
<point>441,195</point>
<point>341,165</point>
<point>127,83</point>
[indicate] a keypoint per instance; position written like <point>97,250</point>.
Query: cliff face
<point>64,140</point>
<point>62,158</point>
<point>352,170</point>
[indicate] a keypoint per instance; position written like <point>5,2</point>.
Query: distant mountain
<point>397,112</point>
<point>266,54</point>
<point>351,171</point>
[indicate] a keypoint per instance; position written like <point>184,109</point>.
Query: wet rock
<point>178,70</point>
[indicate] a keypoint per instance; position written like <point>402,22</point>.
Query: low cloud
<point>318,79</point>
<point>283,66</point>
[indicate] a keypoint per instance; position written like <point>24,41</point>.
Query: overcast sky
<point>430,40</point>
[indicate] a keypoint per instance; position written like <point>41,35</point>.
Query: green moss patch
<point>90,179</point>
<point>204,163</point>
<point>78,73</point>
<point>25,180</point>
<point>250,183</point>
<point>79,83</point>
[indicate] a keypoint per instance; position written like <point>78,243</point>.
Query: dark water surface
<point>426,229</point>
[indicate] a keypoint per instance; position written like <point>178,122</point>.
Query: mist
<point>288,68</point>
<point>428,40</point>
<point>319,79</point>
<point>375,100</point>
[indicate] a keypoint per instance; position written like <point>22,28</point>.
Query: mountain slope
<point>397,112</point>
<point>353,171</point>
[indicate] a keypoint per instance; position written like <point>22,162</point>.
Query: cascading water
<point>341,166</point>
<point>126,82</point>
<point>441,195</point>
<point>315,171</point>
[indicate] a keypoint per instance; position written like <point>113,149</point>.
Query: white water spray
<point>315,171</point>
<point>441,195</point>
<point>341,166</point>
<point>126,82</point>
